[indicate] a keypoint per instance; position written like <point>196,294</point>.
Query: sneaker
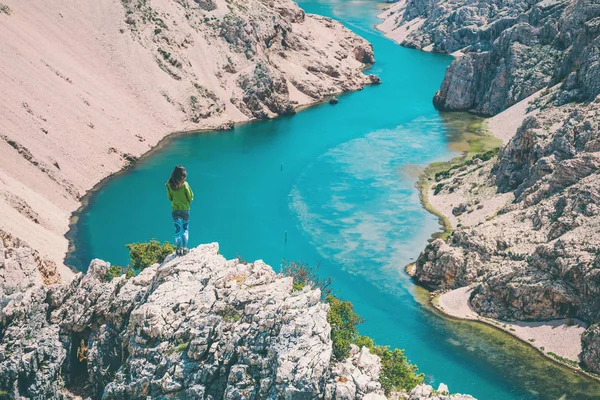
<point>178,252</point>
<point>185,251</point>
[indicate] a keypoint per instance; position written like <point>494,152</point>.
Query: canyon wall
<point>537,257</point>
<point>509,49</point>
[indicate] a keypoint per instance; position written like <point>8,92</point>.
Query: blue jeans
<point>181,218</point>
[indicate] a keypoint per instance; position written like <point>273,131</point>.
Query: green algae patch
<point>468,135</point>
<point>498,348</point>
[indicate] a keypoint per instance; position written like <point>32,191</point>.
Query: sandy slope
<point>86,86</point>
<point>560,337</point>
<point>391,26</point>
<point>468,187</point>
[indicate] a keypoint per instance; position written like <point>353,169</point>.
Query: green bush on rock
<point>343,320</point>
<point>143,255</point>
<point>115,271</point>
<point>303,275</point>
<point>397,374</point>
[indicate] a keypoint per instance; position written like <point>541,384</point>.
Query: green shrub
<point>143,255</point>
<point>5,9</point>
<point>303,274</point>
<point>488,154</point>
<point>397,374</point>
<point>343,320</point>
<point>179,348</point>
<point>114,271</point>
<point>230,314</point>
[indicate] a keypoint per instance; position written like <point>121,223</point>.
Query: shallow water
<point>333,185</point>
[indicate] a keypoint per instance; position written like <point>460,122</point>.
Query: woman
<point>180,194</point>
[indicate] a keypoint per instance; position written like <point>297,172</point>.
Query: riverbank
<point>470,137</point>
<point>461,199</point>
<point>559,340</point>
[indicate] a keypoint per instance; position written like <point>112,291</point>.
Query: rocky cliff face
<point>22,267</point>
<point>538,257</point>
<point>511,49</point>
<point>197,326</point>
<point>88,88</point>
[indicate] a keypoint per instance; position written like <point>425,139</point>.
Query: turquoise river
<point>338,182</point>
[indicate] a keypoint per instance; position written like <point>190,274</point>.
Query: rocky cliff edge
<point>197,326</point>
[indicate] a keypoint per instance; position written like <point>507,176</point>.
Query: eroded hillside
<point>537,256</point>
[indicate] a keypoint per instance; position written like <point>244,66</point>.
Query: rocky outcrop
<point>538,258</point>
<point>197,326</point>
<point>511,49</point>
<point>21,267</point>
<point>442,393</point>
<point>590,343</point>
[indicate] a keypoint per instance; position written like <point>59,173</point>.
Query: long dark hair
<point>177,178</point>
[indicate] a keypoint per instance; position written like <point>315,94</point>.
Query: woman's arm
<point>169,194</point>
<point>189,193</point>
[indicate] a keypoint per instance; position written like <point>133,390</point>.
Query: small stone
<point>374,79</point>
<point>443,389</point>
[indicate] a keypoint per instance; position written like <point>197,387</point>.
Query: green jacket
<point>180,198</point>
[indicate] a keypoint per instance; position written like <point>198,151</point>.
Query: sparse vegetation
<point>180,348</point>
<point>169,57</point>
<point>488,155</point>
<point>239,278</point>
<point>396,372</point>
<point>230,315</point>
<point>4,9</point>
<point>114,271</point>
<point>470,136</point>
<point>143,255</point>
<point>303,275</point>
<point>563,360</point>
